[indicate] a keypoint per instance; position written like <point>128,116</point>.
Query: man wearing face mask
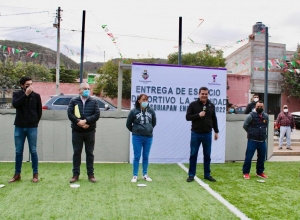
<point>256,124</point>
<point>83,112</point>
<point>251,106</point>
<point>286,122</point>
<point>28,107</point>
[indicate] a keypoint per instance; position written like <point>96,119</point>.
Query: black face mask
<point>25,88</point>
<point>259,110</point>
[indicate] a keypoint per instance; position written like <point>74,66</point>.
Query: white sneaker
<point>147,178</point>
<point>134,179</point>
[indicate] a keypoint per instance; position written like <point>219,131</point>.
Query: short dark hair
<point>259,101</point>
<point>229,105</point>
<point>137,104</point>
<point>203,88</point>
<point>24,79</point>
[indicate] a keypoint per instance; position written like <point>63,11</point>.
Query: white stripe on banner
<point>231,207</point>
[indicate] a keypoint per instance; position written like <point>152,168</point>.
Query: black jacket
<point>90,113</point>
<point>206,123</point>
<point>250,107</point>
<point>28,109</point>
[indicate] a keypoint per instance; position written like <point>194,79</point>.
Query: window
<point>62,101</point>
<point>101,104</point>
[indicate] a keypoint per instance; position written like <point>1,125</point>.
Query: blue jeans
<point>141,143</point>
<point>196,140</point>
<point>261,154</point>
<point>20,135</point>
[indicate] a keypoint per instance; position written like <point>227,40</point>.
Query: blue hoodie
<point>141,122</point>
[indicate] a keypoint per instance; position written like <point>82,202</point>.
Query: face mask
<point>285,110</point>
<point>25,88</point>
<point>144,104</point>
<point>255,99</point>
<point>231,110</point>
<point>86,93</point>
<point>259,110</point>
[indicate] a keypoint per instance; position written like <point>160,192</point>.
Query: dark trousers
<point>88,138</point>
<point>196,140</point>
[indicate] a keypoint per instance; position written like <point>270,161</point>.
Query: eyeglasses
<point>85,88</point>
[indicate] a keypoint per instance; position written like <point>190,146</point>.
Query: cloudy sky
<point>142,29</point>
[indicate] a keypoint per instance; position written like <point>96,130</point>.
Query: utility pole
<point>82,46</point>
<point>104,56</point>
<point>180,41</point>
<point>57,25</point>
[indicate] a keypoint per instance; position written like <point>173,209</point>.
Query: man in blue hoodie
<point>202,113</point>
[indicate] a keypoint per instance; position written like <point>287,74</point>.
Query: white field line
<point>231,207</point>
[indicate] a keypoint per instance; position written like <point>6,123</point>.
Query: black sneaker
<point>190,179</point>
<point>210,178</point>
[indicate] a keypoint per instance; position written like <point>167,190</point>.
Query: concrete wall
<point>54,137</point>
<point>112,137</point>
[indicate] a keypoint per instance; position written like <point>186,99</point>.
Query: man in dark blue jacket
<point>256,126</point>
<point>28,107</point>
<point>83,112</point>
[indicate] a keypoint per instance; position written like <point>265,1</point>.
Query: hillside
<point>20,51</point>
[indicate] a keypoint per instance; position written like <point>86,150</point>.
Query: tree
<point>291,75</point>
<point>37,72</point>
<point>9,77</point>
<point>65,75</point>
<point>11,73</point>
<point>107,82</point>
<point>208,57</point>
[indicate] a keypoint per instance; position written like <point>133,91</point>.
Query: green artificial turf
<point>169,196</point>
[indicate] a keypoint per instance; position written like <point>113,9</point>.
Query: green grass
<point>169,196</point>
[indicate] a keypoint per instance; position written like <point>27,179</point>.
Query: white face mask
<point>255,99</point>
<point>285,110</point>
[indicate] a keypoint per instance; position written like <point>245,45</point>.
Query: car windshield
<point>108,103</point>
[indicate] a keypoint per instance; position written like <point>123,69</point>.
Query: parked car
<point>296,116</point>
<point>61,102</point>
<point>240,109</point>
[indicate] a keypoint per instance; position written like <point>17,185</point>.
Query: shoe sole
<point>261,177</point>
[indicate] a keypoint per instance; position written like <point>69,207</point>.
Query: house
<point>246,72</point>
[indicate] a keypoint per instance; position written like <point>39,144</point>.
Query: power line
<point>25,13</point>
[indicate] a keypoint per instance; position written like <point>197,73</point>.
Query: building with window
<point>246,72</point>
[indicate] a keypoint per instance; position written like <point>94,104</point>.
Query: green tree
<point>65,75</point>
<point>9,77</point>
<point>107,82</point>
<point>37,72</point>
<point>291,75</point>
<point>208,57</point>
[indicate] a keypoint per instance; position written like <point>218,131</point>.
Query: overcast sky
<point>144,29</point>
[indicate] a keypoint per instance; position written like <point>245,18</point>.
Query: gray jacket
<point>141,122</point>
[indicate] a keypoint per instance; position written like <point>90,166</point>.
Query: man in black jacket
<point>251,106</point>
<point>203,116</point>
<point>28,107</point>
<point>83,112</point>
